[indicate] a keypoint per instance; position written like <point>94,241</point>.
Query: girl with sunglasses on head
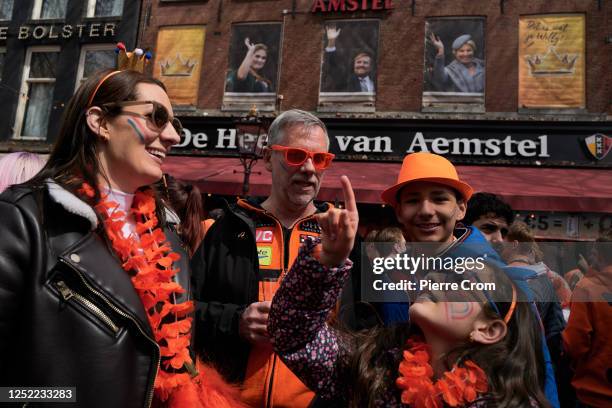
<point>94,289</point>
<point>475,351</point>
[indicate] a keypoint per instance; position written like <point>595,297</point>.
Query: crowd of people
<point>113,281</point>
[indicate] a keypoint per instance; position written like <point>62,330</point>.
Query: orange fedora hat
<point>430,167</point>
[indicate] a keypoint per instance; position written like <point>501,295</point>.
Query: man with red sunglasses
<point>246,254</point>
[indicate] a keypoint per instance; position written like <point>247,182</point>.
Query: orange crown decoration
<point>177,67</point>
<point>551,63</point>
<point>126,61</point>
<point>132,61</point>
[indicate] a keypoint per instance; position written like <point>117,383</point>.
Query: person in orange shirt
<point>247,253</point>
<point>587,339</point>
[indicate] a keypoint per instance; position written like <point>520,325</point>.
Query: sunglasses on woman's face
<point>295,156</point>
<point>158,118</point>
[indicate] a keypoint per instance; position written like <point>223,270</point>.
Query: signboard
<point>178,61</point>
<point>552,61</point>
<point>55,31</point>
<point>334,6</point>
<point>560,225</point>
<point>518,144</point>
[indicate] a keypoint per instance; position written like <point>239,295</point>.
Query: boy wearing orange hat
<point>428,198</point>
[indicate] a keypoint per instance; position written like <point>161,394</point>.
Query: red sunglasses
<point>295,156</point>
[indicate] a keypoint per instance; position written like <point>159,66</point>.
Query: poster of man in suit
<point>350,51</point>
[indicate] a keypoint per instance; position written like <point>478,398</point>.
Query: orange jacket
<point>268,382</point>
<point>587,339</point>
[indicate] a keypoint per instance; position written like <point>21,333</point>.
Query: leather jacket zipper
<point>68,294</point>
<point>127,316</point>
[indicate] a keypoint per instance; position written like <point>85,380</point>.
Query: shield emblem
<point>598,145</point>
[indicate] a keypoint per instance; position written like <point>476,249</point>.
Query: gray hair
<point>291,118</point>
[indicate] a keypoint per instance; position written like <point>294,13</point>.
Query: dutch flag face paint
<point>137,129</point>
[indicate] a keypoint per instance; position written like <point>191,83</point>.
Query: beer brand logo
<point>598,145</point>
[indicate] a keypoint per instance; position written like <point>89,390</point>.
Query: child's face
<point>429,211</point>
<point>445,314</point>
<point>451,316</point>
<point>450,321</point>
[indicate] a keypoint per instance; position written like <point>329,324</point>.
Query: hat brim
<point>389,196</point>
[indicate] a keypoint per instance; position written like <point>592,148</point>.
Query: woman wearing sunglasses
<point>94,289</point>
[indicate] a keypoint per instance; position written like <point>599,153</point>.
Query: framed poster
<point>551,61</point>
<point>252,75</point>
<point>178,61</point>
<point>349,65</point>
<point>454,62</point>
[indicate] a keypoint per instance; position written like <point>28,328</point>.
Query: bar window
<point>36,96</point>
<point>49,9</point>
<point>6,10</point>
<point>104,8</point>
<point>95,57</point>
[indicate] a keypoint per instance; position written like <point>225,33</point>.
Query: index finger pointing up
<point>349,196</point>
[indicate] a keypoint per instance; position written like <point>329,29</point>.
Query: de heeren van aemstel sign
<point>521,145</point>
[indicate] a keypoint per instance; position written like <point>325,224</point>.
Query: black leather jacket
<point>69,315</point>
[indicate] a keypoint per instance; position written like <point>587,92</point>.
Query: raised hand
<point>435,40</point>
<point>332,33</point>
<point>338,228</point>
<point>249,44</point>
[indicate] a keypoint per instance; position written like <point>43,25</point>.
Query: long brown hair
<point>73,159</point>
<point>185,199</point>
<point>512,365</point>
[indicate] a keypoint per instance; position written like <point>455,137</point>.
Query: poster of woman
<point>253,59</point>
<point>454,61</point>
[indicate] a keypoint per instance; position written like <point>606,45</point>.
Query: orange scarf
<point>151,257</point>
<point>456,388</point>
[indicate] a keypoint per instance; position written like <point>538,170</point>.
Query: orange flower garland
<point>456,388</point>
<point>151,257</point>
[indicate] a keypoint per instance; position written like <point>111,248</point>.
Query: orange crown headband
<point>126,61</point>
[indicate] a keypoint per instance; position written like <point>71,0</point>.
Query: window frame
<point>81,66</point>
<point>37,10</point>
<point>90,10</point>
<point>25,88</point>
<point>2,51</point>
